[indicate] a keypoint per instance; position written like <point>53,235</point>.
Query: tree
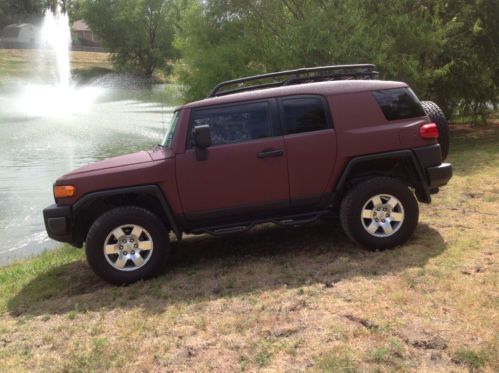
<point>16,11</point>
<point>251,36</point>
<point>139,33</point>
<point>447,50</point>
<point>213,49</point>
<point>467,78</point>
<point>12,11</point>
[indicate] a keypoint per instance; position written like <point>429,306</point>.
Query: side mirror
<point>202,136</point>
<point>202,140</point>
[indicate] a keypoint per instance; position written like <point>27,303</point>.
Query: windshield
<point>170,131</point>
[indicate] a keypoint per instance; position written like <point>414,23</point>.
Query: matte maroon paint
<point>233,176</point>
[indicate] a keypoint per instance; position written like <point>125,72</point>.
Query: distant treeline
<point>447,50</point>
<point>30,11</point>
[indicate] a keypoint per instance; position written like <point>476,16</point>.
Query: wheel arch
<point>400,164</point>
<point>92,205</point>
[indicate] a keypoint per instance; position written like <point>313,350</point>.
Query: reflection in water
<point>41,141</point>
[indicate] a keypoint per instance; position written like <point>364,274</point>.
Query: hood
<point>122,160</point>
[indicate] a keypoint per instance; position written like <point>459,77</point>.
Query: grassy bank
<point>24,62</point>
<point>85,66</point>
<point>281,299</point>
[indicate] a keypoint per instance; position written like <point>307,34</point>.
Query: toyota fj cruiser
<point>287,148</point>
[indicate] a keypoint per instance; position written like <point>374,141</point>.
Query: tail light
<point>428,131</point>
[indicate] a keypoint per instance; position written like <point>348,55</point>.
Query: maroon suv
<point>285,148</point>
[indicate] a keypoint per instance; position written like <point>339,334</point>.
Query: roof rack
<point>298,76</point>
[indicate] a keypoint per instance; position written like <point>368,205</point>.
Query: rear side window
<point>304,114</point>
<point>399,103</point>
<point>236,123</point>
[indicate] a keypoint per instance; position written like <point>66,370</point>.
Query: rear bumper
<point>435,172</point>
<point>58,223</point>
<point>439,175</point>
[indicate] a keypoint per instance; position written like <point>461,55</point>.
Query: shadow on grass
<point>204,268</point>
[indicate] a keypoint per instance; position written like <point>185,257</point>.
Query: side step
<point>229,230</point>
<point>284,221</point>
<point>297,221</point>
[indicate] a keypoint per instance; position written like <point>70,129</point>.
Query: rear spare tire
<point>437,116</point>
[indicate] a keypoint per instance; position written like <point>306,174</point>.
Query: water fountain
<point>56,36</point>
<point>53,93</point>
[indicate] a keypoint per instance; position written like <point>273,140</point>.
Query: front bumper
<point>58,223</point>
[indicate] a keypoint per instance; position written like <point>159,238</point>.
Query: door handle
<point>270,153</point>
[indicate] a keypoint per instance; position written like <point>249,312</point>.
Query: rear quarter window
<point>399,103</point>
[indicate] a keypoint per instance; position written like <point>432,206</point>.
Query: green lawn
<point>276,299</point>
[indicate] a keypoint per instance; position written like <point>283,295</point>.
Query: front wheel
<point>379,213</point>
<point>127,244</point>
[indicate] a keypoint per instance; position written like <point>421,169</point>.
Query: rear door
<point>310,142</point>
<point>246,170</point>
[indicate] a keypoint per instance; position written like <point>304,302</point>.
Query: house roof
<point>80,25</point>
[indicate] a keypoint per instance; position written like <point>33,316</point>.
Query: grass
<point>276,299</point>
<point>22,62</point>
<point>341,359</point>
<point>85,66</point>
<point>473,359</point>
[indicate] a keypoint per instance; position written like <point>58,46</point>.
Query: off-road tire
<point>355,200</point>
<point>106,223</point>
<point>437,116</point>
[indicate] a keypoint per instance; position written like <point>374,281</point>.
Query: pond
<point>45,133</point>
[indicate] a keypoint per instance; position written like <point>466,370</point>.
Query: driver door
<point>245,173</point>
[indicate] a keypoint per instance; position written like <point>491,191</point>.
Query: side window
<point>236,123</point>
<point>399,103</point>
<point>304,114</point>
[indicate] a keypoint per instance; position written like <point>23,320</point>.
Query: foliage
<point>446,50</point>
<point>213,49</point>
<point>468,74</point>
<point>14,11</point>
<point>138,33</point>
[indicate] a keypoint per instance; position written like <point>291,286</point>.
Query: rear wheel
<point>127,244</point>
<point>379,213</point>
<point>437,116</point>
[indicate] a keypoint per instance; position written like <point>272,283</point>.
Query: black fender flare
<point>422,191</point>
<point>152,190</point>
